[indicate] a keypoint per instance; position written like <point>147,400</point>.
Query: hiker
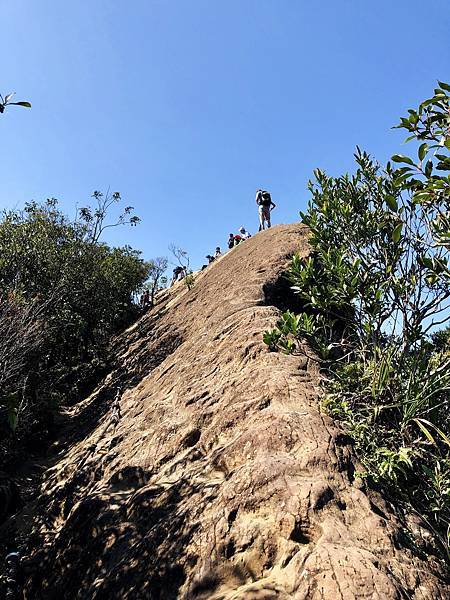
<point>265,205</point>
<point>217,252</point>
<point>244,233</point>
<point>178,273</point>
<point>210,260</point>
<point>237,239</point>
<point>231,241</point>
<point>146,299</point>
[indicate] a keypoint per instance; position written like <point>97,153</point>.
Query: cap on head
<point>242,229</point>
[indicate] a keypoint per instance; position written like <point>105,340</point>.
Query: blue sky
<point>187,106</point>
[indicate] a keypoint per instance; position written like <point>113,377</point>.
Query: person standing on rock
<point>265,205</point>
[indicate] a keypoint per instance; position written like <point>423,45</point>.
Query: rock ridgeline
<point>218,477</point>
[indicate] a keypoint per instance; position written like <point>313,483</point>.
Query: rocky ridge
<point>219,477</point>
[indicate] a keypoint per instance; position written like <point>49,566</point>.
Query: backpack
<point>265,198</point>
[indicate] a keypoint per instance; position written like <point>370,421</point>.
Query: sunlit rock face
<point>221,479</point>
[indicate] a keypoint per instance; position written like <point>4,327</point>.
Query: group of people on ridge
<point>235,239</point>
<point>265,206</point>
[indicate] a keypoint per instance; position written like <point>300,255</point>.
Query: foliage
<point>6,101</point>
<point>78,290</point>
<point>156,268</point>
<point>375,291</point>
<point>22,336</point>
<point>189,280</point>
<point>183,260</point>
<point>94,219</point>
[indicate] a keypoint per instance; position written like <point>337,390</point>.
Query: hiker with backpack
<point>265,205</point>
<point>178,273</point>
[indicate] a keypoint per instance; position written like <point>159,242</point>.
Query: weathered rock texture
<point>222,479</point>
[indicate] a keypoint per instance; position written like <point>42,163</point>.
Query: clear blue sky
<point>187,106</point>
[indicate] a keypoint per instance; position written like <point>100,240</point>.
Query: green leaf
<point>392,202</point>
<point>444,86</point>
<point>401,158</point>
<point>426,103</point>
<point>421,197</point>
<point>396,234</point>
<point>421,421</point>
<point>425,261</point>
<point>27,104</point>
<point>423,149</point>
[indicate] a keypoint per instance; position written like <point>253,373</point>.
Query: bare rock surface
<point>221,478</point>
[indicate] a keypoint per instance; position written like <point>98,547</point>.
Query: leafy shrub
<point>375,291</point>
<point>66,293</point>
<point>22,336</point>
<point>189,280</point>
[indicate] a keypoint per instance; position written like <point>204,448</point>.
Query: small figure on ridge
<point>265,205</point>
<point>178,273</point>
<point>244,233</point>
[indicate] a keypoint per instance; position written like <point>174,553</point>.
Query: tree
<point>183,260</point>
<point>94,219</point>
<point>21,336</point>
<point>84,290</point>
<point>376,286</point>
<point>156,269</point>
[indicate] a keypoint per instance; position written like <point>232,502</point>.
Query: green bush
<point>63,293</point>
<point>375,291</point>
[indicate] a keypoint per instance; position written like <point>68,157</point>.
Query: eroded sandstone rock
<point>222,479</point>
